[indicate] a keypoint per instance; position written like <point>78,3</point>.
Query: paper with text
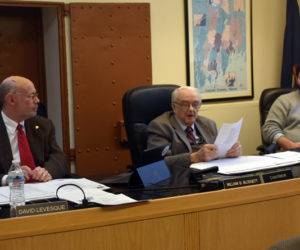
<point>227,137</point>
<point>251,163</point>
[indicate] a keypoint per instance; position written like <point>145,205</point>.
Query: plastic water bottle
<point>16,187</point>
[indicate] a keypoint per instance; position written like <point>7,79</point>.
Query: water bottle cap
<point>15,162</point>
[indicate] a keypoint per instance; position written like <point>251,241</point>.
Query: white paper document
<point>251,163</point>
<point>227,137</point>
<point>3,199</point>
<point>94,191</point>
<point>94,195</point>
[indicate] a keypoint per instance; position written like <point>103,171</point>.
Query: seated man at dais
<point>43,160</point>
<point>190,136</point>
<point>282,125</point>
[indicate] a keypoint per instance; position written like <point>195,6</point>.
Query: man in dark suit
<point>186,147</point>
<point>19,102</point>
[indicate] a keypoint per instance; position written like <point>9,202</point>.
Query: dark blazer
<point>41,138</point>
<point>166,130</point>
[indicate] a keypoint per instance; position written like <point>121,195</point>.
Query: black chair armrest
<point>272,148</point>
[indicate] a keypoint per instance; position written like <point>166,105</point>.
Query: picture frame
<point>219,48</point>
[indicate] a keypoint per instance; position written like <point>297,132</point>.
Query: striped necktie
<point>190,135</point>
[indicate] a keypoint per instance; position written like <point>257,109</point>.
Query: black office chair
<point>268,96</point>
<point>140,106</point>
<point>287,244</point>
<point>41,111</point>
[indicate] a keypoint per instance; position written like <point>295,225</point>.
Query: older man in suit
<point>19,102</point>
<point>191,136</point>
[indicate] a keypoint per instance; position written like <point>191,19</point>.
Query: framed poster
<point>219,48</point>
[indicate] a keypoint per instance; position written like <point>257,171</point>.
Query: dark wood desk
<point>251,217</point>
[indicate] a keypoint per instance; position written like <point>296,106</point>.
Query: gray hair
<point>8,85</point>
<point>176,92</point>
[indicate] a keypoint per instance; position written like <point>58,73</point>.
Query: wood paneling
<point>191,231</point>
<point>264,223</point>
<point>111,53</point>
<point>153,234</point>
<point>21,42</point>
<point>253,217</point>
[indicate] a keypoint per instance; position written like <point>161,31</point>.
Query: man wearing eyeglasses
<point>18,105</point>
<point>191,136</point>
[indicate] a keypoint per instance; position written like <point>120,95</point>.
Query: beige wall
<point>268,29</point>
<point>168,50</point>
<point>169,61</point>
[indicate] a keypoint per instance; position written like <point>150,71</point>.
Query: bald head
<point>18,98</point>
<point>17,79</point>
<point>10,85</point>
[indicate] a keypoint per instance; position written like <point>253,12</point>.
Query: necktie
<point>24,149</point>
<point>190,135</point>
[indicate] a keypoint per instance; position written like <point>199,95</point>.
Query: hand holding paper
<point>227,137</point>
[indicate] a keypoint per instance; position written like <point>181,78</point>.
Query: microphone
<point>85,201</point>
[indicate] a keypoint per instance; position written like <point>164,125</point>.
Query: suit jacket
<point>41,138</point>
<point>166,130</point>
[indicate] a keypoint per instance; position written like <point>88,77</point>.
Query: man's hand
<point>37,174</point>
<point>27,172</point>
<point>235,151</point>
<point>284,143</point>
<point>41,174</point>
<point>206,153</point>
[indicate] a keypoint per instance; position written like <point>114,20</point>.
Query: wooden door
<point>21,43</point>
<point>111,53</point>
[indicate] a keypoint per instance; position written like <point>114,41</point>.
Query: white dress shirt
<point>11,128</point>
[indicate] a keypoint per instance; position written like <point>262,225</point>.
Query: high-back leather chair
<point>287,244</point>
<point>140,106</point>
<point>41,111</point>
<point>267,98</point>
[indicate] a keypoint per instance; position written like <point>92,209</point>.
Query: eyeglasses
<point>31,96</point>
<point>186,105</point>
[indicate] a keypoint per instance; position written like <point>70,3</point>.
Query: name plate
<point>278,176</point>
<point>241,181</point>
<point>42,208</point>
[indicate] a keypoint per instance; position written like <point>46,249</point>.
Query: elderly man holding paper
<point>191,137</point>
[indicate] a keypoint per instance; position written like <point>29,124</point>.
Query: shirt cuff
<point>3,181</point>
<point>276,137</point>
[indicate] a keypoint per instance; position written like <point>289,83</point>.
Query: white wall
<point>51,46</point>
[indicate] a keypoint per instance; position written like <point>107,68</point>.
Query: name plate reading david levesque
<point>278,176</point>
<point>241,181</point>
<point>42,208</point>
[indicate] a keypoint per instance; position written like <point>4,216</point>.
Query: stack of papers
<point>244,164</point>
<point>94,192</point>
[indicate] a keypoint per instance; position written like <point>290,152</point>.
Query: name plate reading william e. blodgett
<point>42,208</point>
<point>241,181</point>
